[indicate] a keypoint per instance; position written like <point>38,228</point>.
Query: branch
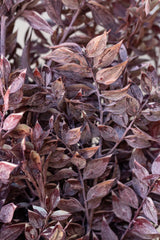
<point>139,209</point>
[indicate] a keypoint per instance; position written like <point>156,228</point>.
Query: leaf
<point>96,45</point>
<point>36,21</point>
<point>116,94</point>
<point>88,152</point>
<point>11,232</point>
<point>64,174</point>
<point>144,229</point>
<point>146,83</point>
<point>53,9</point>
<point>40,211</point>
<point>60,215</point>
<point>150,211</point>
<point>35,219</point>
<point>140,187</point>
<point>73,136</point>
<point>7,212</point>
<point>120,209</point>
<point>12,121</point>
<point>5,169</point>
<point>132,105</point>
<point>30,232</point>
<point>6,100</point>
<point>61,55</point>
<point>137,142</point>
<point>96,167</point>
<point>58,233</point>
<point>58,89</point>
<point>140,172</point>
<point>106,231</point>
<point>109,75</point>
<point>100,190</point>
<point>108,133</point>
<point>147,7</point>
<point>78,160</point>
<point>152,114</point>
<point>156,188</point>
<point>156,165</point>
<point>127,195</point>
<point>107,56</point>
<point>18,82</point>
<point>75,70</point>
<point>21,130</point>
<point>70,205</point>
<point>72,4</point>
<point>54,198</point>
<point>118,107</point>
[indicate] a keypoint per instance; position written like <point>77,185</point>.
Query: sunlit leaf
<point>109,75</point>
<point>96,45</point>
<point>107,56</point>
<point>12,120</point>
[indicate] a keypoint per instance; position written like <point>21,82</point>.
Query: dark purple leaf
<point>36,21</point>
<point>106,231</point>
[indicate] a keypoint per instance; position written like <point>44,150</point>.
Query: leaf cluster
<point>80,120</point>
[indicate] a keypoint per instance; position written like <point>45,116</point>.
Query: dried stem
<point>139,209</point>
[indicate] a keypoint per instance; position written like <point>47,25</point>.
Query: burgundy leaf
<point>30,232</point>
<point>97,45</point>
<point>5,169</point>
<point>54,198</point>
<point>12,121</point>
<point>18,82</point>
<point>35,219</point>
<point>96,167</point>
<point>127,195</point>
<point>109,75</point>
<point>73,136</point>
<point>106,231</point>
<point>144,229</point>
<point>72,4</point>
<point>156,165</point>
<point>70,205</point>
<point>11,232</point>
<point>100,190</point>
<point>40,211</point>
<point>78,161</point>
<point>60,215</point>
<point>36,21</point>
<point>150,211</point>
<point>120,209</point>
<point>7,212</point>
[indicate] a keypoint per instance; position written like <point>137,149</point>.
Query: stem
<point>70,26</point>
<point>128,128</point>
<point>139,209</point>
<point>84,196</point>
<point>3,35</point>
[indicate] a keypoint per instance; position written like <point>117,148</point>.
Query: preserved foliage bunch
<point>80,120</point>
